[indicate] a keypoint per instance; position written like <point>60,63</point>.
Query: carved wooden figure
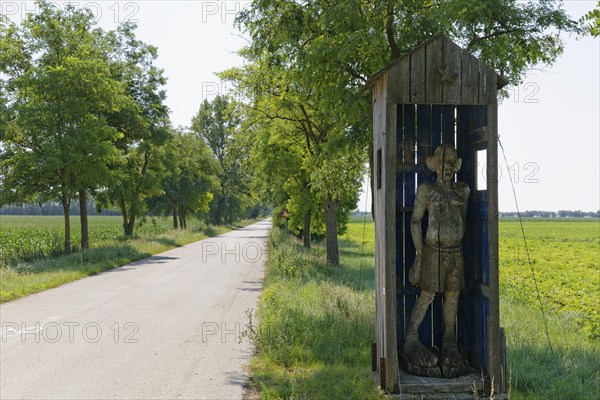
<point>438,264</point>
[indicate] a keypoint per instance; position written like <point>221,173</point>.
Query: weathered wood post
<point>437,93</point>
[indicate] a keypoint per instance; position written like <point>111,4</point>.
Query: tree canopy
<point>307,62</point>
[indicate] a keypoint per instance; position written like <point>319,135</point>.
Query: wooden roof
<point>439,71</point>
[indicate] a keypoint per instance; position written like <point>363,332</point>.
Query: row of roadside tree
<point>83,114</point>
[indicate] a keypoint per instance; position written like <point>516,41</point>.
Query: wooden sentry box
<point>437,93</point>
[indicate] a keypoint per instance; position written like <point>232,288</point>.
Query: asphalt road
<point>166,327</point>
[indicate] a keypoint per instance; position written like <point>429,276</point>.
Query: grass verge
<point>21,278</point>
<point>315,324</point>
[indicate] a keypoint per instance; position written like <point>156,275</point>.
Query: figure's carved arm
<point>417,216</point>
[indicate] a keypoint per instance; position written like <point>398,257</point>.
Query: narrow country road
<point>166,327</point>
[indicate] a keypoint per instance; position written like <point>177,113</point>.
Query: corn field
<point>35,237</point>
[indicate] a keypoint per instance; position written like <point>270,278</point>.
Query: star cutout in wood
<point>447,76</point>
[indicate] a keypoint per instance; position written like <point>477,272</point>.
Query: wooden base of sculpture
<point>438,371</point>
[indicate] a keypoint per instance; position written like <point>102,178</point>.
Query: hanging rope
<point>537,290</point>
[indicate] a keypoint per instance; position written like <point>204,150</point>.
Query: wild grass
<point>571,370</point>
<point>34,273</point>
<point>316,322</point>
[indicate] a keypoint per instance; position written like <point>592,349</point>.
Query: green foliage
<point>139,169</point>
<point>190,180</point>
<point>303,155</point>
<point>591,21</point>
<point>61,89</point>
<point>217,123</point>
<point>348,41</point>
<point>81,111</point>
<point>307,63</point>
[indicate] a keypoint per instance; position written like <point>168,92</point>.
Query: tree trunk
<point>333,252</point>
<point>124,215</point>
<point>129,225</point>
<point>306,230</point>
<point>83,217</point>
<point>66,204</point>
<point>175,226</point>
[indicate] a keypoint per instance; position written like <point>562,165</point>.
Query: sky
<point>549,126</point>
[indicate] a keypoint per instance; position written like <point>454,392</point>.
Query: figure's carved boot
<point>450,354</point>
<point>417,354</point>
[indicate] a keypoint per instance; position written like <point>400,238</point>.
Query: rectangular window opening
<point>481,178</point>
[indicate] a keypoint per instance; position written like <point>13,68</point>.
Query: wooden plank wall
<point>390,249</point>
<point>379,198</point>
<point>441,73</point>
<point>496,355</point>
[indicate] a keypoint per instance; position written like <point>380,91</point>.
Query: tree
<point>280,91</point>
<point>217,123</point>
<point>279,177</point>
<point>321,53</point>
<point>349,41</point>
<point>297,117</point>
<point>190,180</point>
<point>337,181</point>
<point>58,141</point>
<point>5,112</point>
<point>143,120</point>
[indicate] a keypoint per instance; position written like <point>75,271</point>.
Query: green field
<point>32,237</point>
<point>565,255</point>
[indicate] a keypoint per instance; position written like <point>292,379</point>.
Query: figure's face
<point>446,165</point>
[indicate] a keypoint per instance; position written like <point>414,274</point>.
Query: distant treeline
<point>553,214</point>
<point>55,208</point>
<point>52,208</point>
